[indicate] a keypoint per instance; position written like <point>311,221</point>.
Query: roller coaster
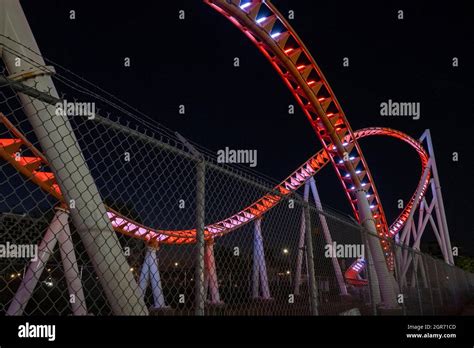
<point>272,34</point>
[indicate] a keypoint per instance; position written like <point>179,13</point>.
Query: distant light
<point>351,158</point>
<point>347,175</point>
<point>288,272</point>
<point>131,269</point>
<point>372,206</point>
<point>275,35</point>
<point>176,264</point>
<point>357,171</point>
<point>367,195</point>
<point>260,20</point>
<point>244,6</point>
<point>344,144</point>
<point>285,251</point>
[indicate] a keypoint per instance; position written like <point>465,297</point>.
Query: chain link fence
<point>100,218</point>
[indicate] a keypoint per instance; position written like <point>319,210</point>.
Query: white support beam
<point>211,282</point>
<point>327,237</point>
<point>408,223</point>
<point>24,61</point>
<point>71,270</point>
<point>437,193</point>
<point>58,230</point>
<point>150,274</point>
<point>260,287</point>
<point>301,244</point>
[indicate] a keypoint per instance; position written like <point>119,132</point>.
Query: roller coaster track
<point>34,167</point>
<point>296,66</point>
<point>299,71</point>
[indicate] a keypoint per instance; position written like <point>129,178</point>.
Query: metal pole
<point>453,282</point>
<point>299,256</point>
<point>423,273</point>
<point>313,287</point>
<point>400,282</point>
<point>71,271</point>
<point>380,265</point>
<point>156,288</point>
<point>255,265</point>
<point>35,269</point>
<point>439,285</point>
<point>145,274</point>
<point>327,236</point>
<point>211,282</point>
<point>415,271</point>
<point>150,274</point>
<point>424,260</point>
<point>200,244</point>
<point>440,228</point>
<point>408,223</point>
<point>259,263</point>
<point>65,158</point>
<point>439,197</point>
<point>200,224</point>
<point>374,290</point>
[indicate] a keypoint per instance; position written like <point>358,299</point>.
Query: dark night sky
<point>191,62</point>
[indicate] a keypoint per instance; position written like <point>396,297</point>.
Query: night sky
<point>191,62</point>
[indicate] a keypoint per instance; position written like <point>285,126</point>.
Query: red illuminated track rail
<point>34,168</point>
<point>292,60</point>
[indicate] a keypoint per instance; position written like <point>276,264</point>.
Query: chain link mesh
<point>261,265</point>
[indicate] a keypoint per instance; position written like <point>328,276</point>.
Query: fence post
<point>398,251</point>
<point>200,216</point>
<point>313,287</point>
<point>417,285</point>
<point>36,267</point>
<point>423,257</point>
<point>373,286</point>
<point>439,285</point>
<point>200,245</point>
<point>454,284</point>
<point>66,160</point>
